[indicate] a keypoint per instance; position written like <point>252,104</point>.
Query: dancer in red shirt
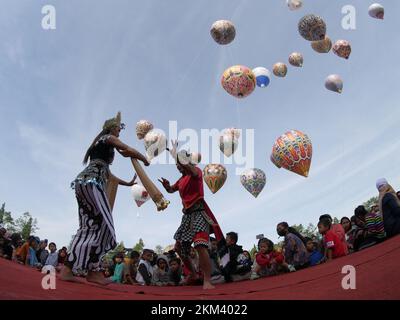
<point>198,222</point>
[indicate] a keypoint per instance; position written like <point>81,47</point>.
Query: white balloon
<point>140,194</point>
<point>155,143</point>
<point>263,76</point>
<point>294,4</point>
<point>376,11</point>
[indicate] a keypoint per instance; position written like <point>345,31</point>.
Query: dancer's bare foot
<point>97,277</point>
<point>66,275</point>
<point>207,285</point>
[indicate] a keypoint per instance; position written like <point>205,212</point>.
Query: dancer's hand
<point>133,181</point>
<point>165,183</point>
<point>174,150</point>
<point>146,162</point>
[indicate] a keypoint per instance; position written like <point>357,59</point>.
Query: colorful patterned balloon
<point>142,127</point>
<point>223,32</point>
<point>294,4</point>
<point>263,76</point>
<point>296,59</point>
<point>280,69</point>
<point>140,195</point>
<point>214,176</point>
<point>312,27</point>
<point>376,11</point>
<point>293,151</point>
<point>342,48</point>
<point>322,46</point>
<point>334,83</point>
<point>238,81</point>
<point>253,180</point>
<point>155,143</point>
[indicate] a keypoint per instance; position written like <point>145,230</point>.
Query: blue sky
<point>156,60</point>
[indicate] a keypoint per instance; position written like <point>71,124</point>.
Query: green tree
<point>6,219</point>
<point>26,225</point>
<point>310,231</point>
<point>139,246</point>
<point>370,203</point>
<point>120,247</point>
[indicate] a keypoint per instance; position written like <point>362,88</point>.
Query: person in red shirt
<point>198,221</point>
<point>268,261</point>
<point>339,230</point>
<point>334,247</point>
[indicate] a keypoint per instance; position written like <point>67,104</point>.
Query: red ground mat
<point>377,277</point>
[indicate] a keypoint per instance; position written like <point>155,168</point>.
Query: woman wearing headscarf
<point>389,206</point>
<point>96,235</point>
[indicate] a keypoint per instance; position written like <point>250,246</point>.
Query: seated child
<point>31,258</point>
<point>315,256</point>
<point>213,252</point>
<point>130,268</point>
<point>334,247</point>
<point>119,267</point>
<point>161,277</point>
<point>194,258</point>
<point>52,258</point>
<point>175,272</point>
<point>62,255</point>
<point>145,272</point>
<point>268,261</point>
<point>228,252</point>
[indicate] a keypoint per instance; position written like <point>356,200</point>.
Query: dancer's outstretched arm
<point>125,183</point>
<point>127,151</point>
<point>167,186</point>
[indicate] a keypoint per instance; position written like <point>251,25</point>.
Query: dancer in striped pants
<point>96,234</point>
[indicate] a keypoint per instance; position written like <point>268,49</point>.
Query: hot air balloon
<point>228,143</point>
<point>140,195</point>
<point>263,76</point>
<point>238,81</point>
<point>215,176</point>
<point>195,157</point>
<point>233,131</point>
<point>294,4</point>
<point>312,27</point>
<point>342,48</point>
<point>322,46</point>
<point>142,127</point>
<point>253,180</point>
<point>296,59</point>
<point>280,69</point>
<point>293,151</point>
<point>223,32</point>
<point>334,83</point>
<point>155,143</point>
<point>376,11</point>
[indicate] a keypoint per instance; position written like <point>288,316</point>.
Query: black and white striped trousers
<point>96,235</point>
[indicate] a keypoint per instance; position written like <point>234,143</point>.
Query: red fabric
<point>201,238</point>
<point>264,260</point>
<point>191,190</point>
<point>332,241</point>
<point>339,230</point>
<point>376,279</point>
